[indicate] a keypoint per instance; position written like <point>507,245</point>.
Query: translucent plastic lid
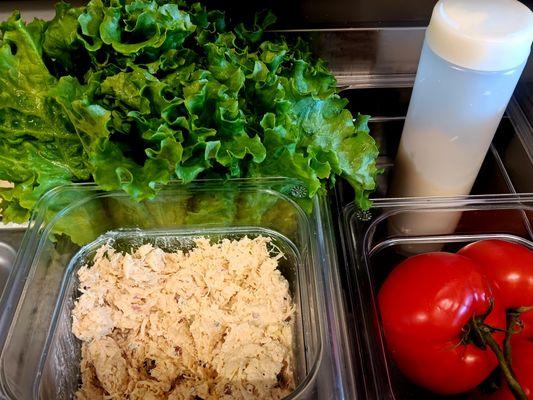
<point>485,35</point>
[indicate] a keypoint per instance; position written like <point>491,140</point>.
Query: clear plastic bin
<point>40,356</point>
<point>373,250</point>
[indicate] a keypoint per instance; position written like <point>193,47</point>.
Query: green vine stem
<point>514,325</point>
<point>484,332</point>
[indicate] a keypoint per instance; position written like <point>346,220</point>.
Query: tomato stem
<point>514,325</point>
<point>485,332</point>
<point>521,310</point>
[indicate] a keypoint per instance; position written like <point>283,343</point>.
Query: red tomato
<point>425,304</point>
<point>509,266</point>
<point>522,354</point>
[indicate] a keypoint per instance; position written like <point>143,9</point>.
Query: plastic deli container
<point>372,252</point>
<point>40,356</point>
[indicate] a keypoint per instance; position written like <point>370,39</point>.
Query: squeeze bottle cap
<point>484,35</point>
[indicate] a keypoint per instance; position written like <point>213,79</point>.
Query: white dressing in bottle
<point>473,54</point>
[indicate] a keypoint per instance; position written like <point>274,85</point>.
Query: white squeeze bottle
<point>473,54</point>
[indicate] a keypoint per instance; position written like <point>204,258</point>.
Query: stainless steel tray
<point>10,240</point>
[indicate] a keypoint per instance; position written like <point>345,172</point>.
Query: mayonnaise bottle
<point>473,55</point>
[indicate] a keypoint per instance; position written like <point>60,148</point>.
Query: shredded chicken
<point>212,323</point>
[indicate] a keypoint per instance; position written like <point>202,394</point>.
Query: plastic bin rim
<point>442,202</point>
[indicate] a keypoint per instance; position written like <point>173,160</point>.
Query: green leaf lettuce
<point>135,93</point>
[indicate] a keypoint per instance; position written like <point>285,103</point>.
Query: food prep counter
<point>341,254</point>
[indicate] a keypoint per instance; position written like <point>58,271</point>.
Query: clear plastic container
<point>39,355</point>
<point>373,251</point>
